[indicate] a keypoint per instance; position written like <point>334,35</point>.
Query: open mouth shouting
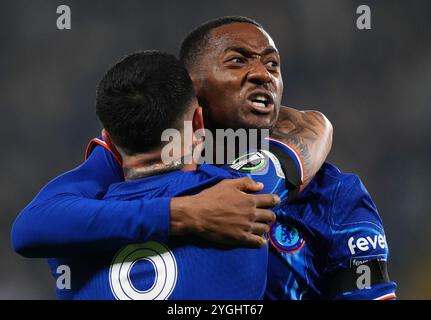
<point>261,102</point>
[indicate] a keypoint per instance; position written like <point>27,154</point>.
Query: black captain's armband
<point>358,277</point>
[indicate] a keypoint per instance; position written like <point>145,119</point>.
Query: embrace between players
<point>281,225</point>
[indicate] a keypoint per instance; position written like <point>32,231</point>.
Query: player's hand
<point>226,213</point>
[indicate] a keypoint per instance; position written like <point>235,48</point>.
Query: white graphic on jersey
<point>276,162</point>
<point>163,262</point>
<point>250,162</point>
<point>364,244</point>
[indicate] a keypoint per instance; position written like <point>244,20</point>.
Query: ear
<point>198,137</point>
<point>198,119</point>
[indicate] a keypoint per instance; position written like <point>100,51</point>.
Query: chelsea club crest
<point>285,238</point>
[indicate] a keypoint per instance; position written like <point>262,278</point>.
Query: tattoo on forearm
<point>308,132</point>
<point>293,138</point>
<point>299,133</point>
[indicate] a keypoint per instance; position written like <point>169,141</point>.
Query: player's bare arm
<point>309,132</point>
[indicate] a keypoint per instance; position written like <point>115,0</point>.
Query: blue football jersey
<point>180,268</point>
<point>328,244</point>
<point>332,244</point>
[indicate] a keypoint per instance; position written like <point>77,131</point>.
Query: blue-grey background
<point>375,87</point>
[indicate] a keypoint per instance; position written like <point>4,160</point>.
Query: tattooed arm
<point>309,132</point>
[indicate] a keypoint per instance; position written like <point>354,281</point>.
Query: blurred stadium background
<point>375,87</point>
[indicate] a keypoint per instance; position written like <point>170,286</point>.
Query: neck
<point>136,167</point>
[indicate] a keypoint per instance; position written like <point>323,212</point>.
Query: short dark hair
<point>197,40</point>
<point>140,96</point>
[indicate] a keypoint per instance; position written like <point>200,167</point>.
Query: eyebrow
<point>246,53</point>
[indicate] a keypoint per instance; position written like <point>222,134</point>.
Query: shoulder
<point>330,177</point>
<point>174,183</point>
<point>338,208</point>
<point>355,228</point>
<point>339,192</point>
<point>351,202</point>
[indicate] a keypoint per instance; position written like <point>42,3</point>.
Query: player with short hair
<point>332,244</point>
<point>237,77</point>
<point>139,97</point>
<point>208,214</point>
<point>334,227</point>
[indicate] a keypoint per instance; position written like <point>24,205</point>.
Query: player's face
<point>239,81</point>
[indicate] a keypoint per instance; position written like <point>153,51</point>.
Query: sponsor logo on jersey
<point>285,238</point>
<point>366,243</point>
<point>251,162</point>
<point>356,262</point>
